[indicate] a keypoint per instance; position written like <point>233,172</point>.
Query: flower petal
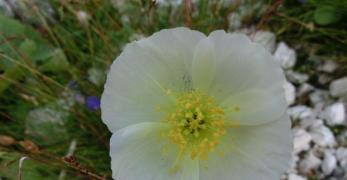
<point>204,65</point>
<point>247,77</point>
<point>138,152</point>
<point>255,106</point>
<point>141,75</point>
<point>242,65</point>
<point>252,152</point>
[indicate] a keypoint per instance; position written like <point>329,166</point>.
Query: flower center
<point>198,123</point>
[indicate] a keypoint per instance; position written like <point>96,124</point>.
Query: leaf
<point>326,15</point>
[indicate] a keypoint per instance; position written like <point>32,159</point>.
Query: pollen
<point>197,124</point>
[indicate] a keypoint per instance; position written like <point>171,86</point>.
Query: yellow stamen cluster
<point>198,123</point>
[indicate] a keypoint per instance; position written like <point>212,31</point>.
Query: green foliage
<point>326,15</point>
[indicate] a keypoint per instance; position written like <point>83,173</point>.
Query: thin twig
<point>187,9</point>
<point>268,14</point>
<point>21,161</point>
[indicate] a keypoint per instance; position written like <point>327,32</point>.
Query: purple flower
<point>93,103</point>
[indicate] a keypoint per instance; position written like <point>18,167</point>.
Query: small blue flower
<point>93,103</point>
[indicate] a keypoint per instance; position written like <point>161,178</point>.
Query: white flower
<point>185,106</point>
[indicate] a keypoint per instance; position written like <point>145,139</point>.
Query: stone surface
<point>300,112</point>
<point>285,55</point>
<point>266,38</point>
<point>335,114</point>
<point>289,92</point>
<point>296,77</point>
<point>328,66</point>
<point>322,136</point>
<point>295,177</point>
<point>329,162</point>
<point>302,140</point>
<point>338,88</point>
<point>310,162</point>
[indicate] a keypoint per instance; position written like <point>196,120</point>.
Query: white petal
<point>242,65</point>
<point>256,106</point>
<point>204,65</point>
<point>137,153</point>
<point>139,77</point>
<point>252,152</point>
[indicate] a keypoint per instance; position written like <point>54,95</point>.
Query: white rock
<point>296,177</point>
<point>234,20</point>
<point>302,140</point>
<point>293,163</point>
<point>329,162</point>
<point>341,156</point>
<point>307,123</point>
<point>310,162</point>
<point>300,112</point>
<point>289,92</point>
<point>338,88</point>
<point>285,55</point>
<point>266,38</point>
<point>328,66</point>
<point>324,79</point>
<point>296,77</point>
<point>319,96</point>
<point>322,136</point>
<point>335,114</point>
<point>305,88</point>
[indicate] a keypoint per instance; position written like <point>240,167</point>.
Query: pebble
<point>329,162</point>
<point>335,114</point>
<point>300,112</point>
<point>310,162</point>
<point>266,38</point>
<point>302,140</point>
<point>341,156</point>
<point>322,135</point>
<point>296,77</point>
<point>295,177</point>
<point>289,92</point>
<point>285,55</point>
<point>328,66</point>
<point>338,88</point>
<point>304,89</point>
<point>319,96</point>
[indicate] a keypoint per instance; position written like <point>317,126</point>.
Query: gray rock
<point>335,114</point>
<point>310,162</point>
<point>338,88</point>
<point>266,38</point>
<point>319,96</point>
<point>289,92</point>
<point>324,79</point>
<point>304,88</point>
<point>296,77</point>
<point>296,177</point>
<point>322,136</point>
<point>328,66</point>
<point>329,162</point>
<point>300,112</point>
<point>285,55</point>
<point>341,156</point>
<point>302,140</point>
